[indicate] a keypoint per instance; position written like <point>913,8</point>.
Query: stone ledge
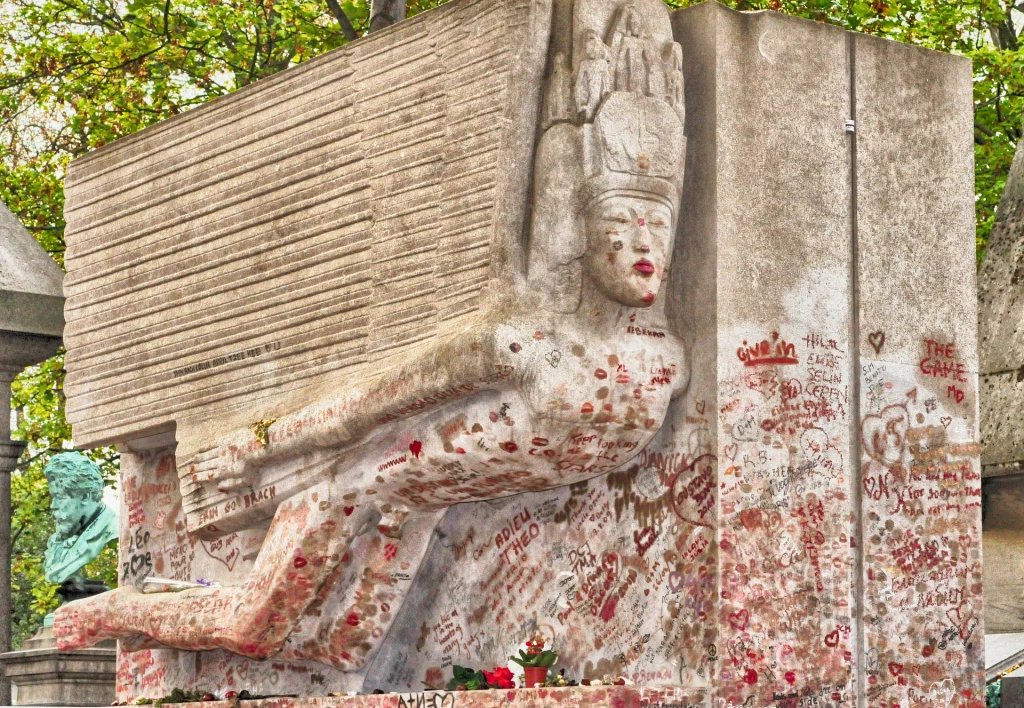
<point>596,696</point>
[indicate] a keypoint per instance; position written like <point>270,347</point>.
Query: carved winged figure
<point>529,398</point>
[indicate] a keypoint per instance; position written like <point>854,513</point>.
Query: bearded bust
<point>84,523</point>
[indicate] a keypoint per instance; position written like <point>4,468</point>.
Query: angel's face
<point>628,239</point>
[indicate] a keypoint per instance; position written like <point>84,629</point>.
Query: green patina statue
<point>84,523</point>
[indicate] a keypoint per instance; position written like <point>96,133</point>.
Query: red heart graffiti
<point>739,620</point>
<point>832,638</point>
<point>414,447</point>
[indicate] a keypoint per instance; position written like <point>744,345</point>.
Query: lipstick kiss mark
<point>675,581</point>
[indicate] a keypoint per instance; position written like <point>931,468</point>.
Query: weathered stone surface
<point>1001,344</point>
<point>31,301</point>
<point>742,486</point>
<point>920,520</point>
<point>599,697</point>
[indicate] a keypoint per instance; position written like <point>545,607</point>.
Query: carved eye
<point>617,245</point>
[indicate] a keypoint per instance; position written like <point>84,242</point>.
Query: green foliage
<point>545,659</point>
<point>472,680</point>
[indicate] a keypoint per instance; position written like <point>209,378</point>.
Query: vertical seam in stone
<point>859,675</point>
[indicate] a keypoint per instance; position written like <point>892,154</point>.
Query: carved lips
<point>644,267</point>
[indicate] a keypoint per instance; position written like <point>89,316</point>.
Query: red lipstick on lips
<point>644,267</point>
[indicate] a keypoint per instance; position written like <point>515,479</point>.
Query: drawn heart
<point>877,340</point>
<point>675,581</point>
<point>832,639</point>
<point>945,420</point>
<point>731,450</point>
<point>554,357</point>
<point>895,669</point>
<point>870,485</point>
<point>414,447</point>
<point>954,616</point>
<point>225,551</point>
<point>701,405</point>
<point>965,542</point>
<point>738,620</point>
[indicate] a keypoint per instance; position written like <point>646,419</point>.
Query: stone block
<point>43,675</point>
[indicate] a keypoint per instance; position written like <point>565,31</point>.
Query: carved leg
<point>358,609</point>
<point>304,545</point>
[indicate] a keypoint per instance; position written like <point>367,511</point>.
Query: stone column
<point>10,451</point>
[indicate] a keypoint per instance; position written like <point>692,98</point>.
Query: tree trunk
<point>384,13</point>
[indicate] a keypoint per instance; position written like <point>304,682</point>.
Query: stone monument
<point>582,320</point>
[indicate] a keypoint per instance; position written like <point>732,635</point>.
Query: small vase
<point>535,675</point>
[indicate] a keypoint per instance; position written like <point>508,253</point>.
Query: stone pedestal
<point>45,676</point>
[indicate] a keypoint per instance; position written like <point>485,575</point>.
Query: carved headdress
<point>612,120</point>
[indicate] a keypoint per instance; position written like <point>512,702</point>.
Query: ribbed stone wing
<point>320,222</point>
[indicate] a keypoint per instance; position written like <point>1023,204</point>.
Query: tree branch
<point>987,131</point>
<point>346,24</point>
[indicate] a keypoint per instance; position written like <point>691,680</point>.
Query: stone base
<point>42,675</point>
<point>574,697</point>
